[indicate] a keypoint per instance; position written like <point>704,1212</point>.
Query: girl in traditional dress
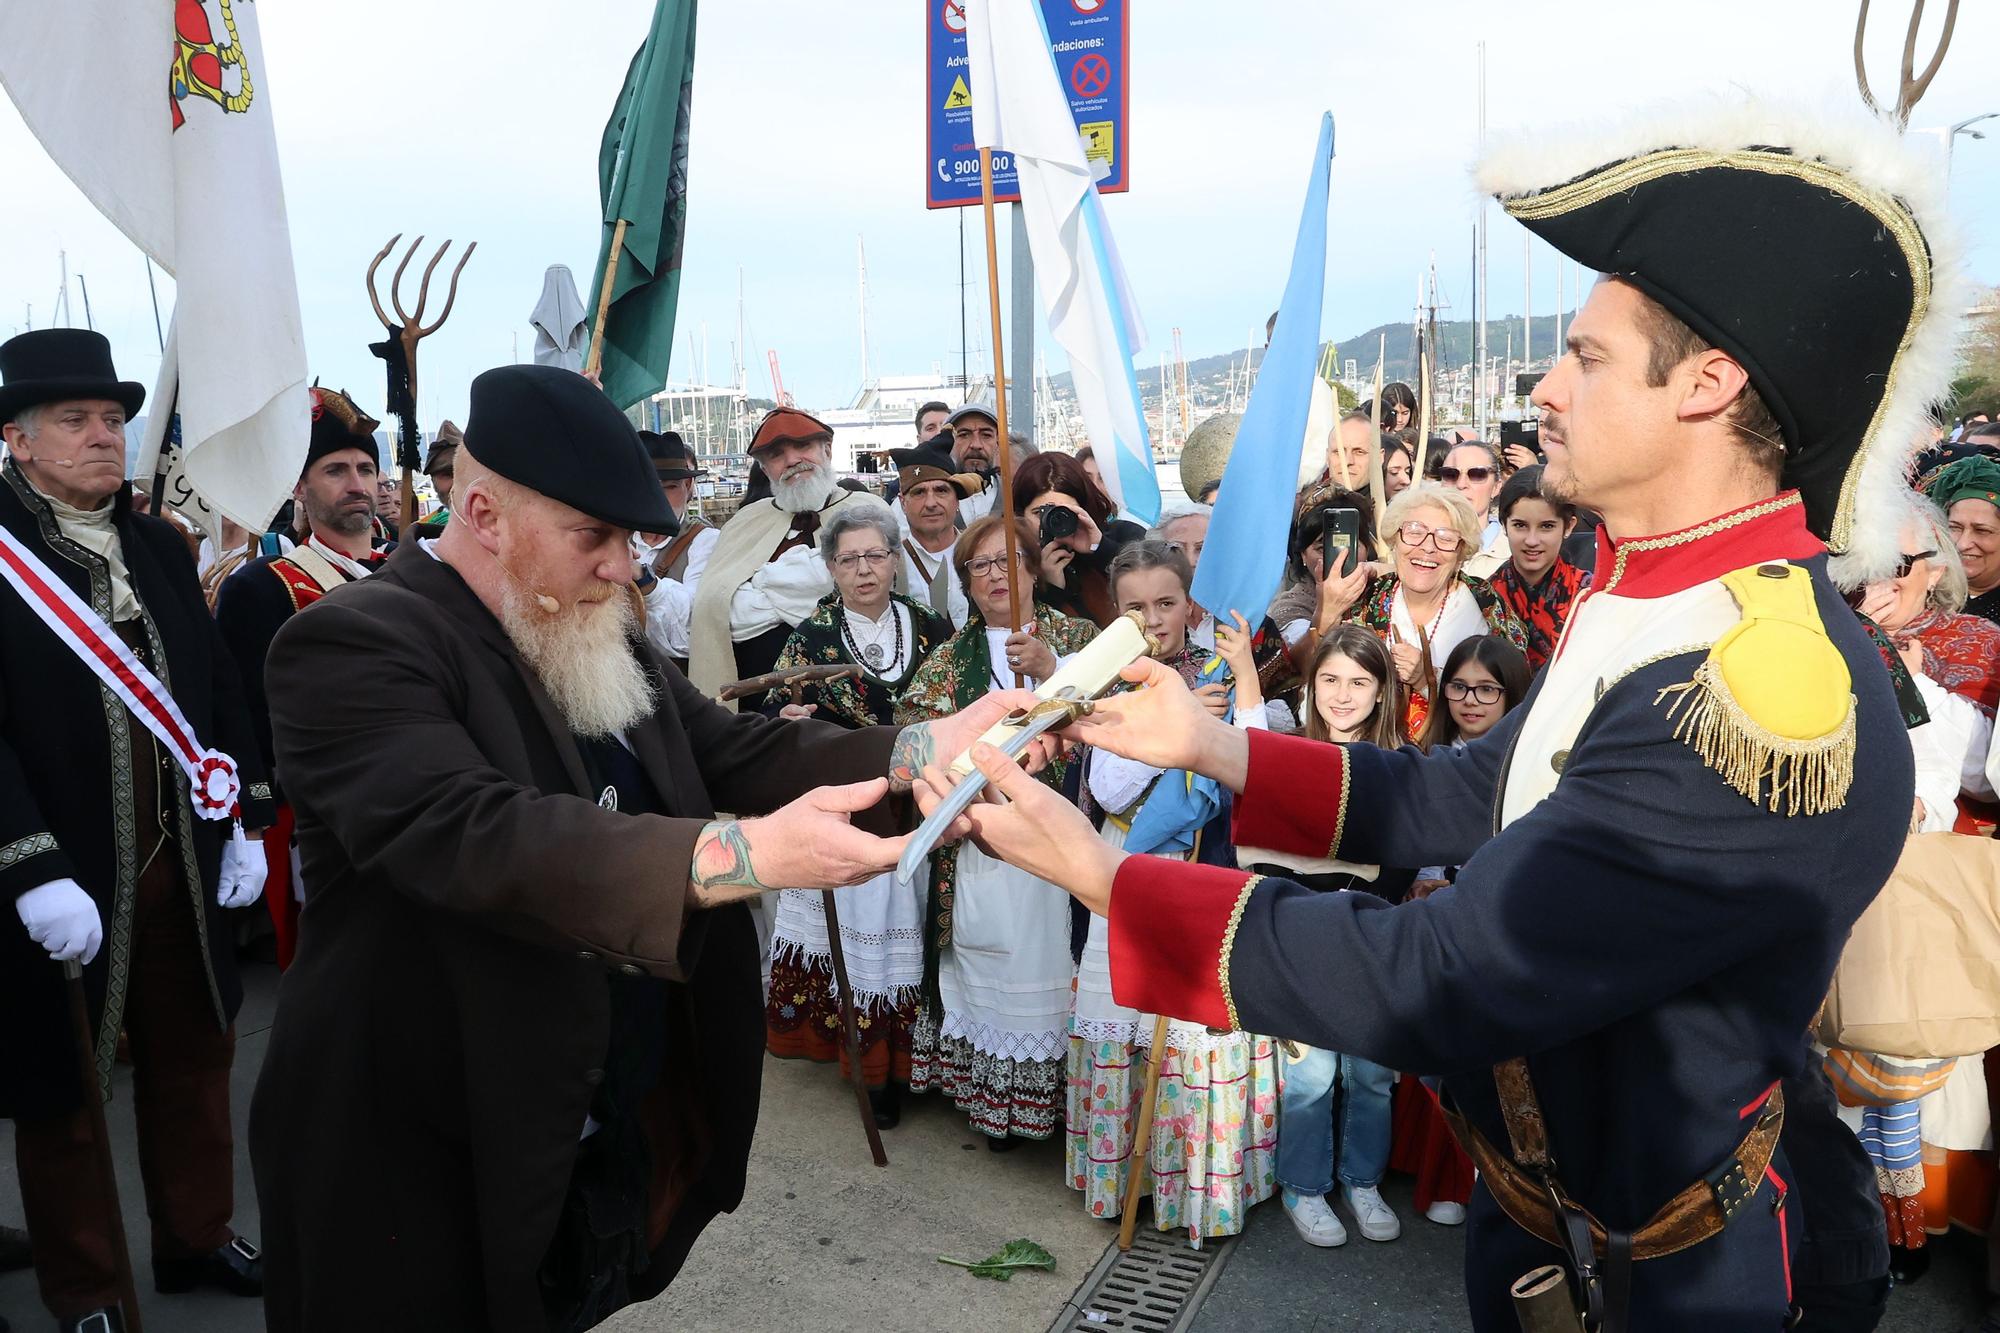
<point>992,1029</point>
<point>887,636</point>
<point>1214,1136</point>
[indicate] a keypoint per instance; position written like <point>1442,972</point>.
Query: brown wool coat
<point>443,1029</point>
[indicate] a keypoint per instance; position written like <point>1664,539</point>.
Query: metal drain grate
<point>1155,1287</point>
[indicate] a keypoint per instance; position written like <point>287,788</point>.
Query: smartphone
<point>1340,535</point>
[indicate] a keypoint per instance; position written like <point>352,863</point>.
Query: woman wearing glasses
<point>861,623</point>
<point>1427,605</point>
<point>1474,468</point>
<point>993,1029</point>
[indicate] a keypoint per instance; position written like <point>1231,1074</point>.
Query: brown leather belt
<point>1705,1207</point>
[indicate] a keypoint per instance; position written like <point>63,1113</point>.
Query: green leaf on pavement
<point>1000,1267</point>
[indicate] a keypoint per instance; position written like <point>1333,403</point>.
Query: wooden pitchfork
<point>400,352</point>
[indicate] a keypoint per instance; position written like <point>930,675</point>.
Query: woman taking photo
<point>1334,1109</point>
<point>886,636</point>
<point>1425,607</point>
<point>1210,1156</point>
<point>993,1026</point>
<point>1076,535</point>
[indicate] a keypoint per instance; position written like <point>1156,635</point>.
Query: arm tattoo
<point>721,870</point>
<point>915,749</point>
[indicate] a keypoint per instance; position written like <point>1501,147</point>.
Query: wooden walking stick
<point>93,1100</point>
<point>1142,1135</point>
<point>850,1030</point>
<point>399,350</point>
<point>1000,402</point>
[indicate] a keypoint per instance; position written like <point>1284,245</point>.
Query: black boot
<point>887,1104</point>
<point>1004,1144</point>
<point>237,1268</point>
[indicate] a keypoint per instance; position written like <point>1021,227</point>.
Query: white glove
<point>243,869</point>
<point>61,918</point>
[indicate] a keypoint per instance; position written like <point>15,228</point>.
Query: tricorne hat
<point>61,365</point>
<point>927,462</point>
<point>553,431</point>
<point>1824,266</point>
<point>338,423</point>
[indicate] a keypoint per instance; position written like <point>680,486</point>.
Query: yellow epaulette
<point>1771,708</point>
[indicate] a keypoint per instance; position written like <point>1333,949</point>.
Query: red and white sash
<point>211,774</point>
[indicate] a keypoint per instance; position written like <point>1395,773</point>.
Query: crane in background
<point>778,394</point>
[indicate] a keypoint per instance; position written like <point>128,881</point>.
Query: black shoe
<point>1007,1144</point>
<point>887,1104</point>
<point>237,1268</point>
<point>15,1251</point>
<point>106,1320</point>
<point>1907,1267</point>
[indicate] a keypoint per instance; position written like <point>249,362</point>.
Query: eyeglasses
<point>1910,562</point>
<point>1459,691</point>
<point>1452,474</point>
<point>863,559</point>
<point>1446,540</point>
<point>980,566</point>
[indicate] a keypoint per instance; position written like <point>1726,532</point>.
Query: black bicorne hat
<point>339,423</point>
<point>1815,265</point>
<point>61,365</point>
<point>553,431</point>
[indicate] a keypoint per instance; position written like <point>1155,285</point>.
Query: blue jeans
<point>1318,1086</point>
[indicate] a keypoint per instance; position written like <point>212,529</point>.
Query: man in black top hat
<point>335,493</point>
<point>524,1029</point>
<point>103,840</point>
<point>671,563</point>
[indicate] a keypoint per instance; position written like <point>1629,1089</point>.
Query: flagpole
<point>594,363</point>
<point>1000,396</point>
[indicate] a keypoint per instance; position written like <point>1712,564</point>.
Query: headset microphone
<point>550,606</point>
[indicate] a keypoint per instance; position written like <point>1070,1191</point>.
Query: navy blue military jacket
<point>1654,941</point>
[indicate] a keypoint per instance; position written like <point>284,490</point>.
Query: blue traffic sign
<point>1089,40</point>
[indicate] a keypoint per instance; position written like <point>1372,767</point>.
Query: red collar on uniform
<point>1773,529</point>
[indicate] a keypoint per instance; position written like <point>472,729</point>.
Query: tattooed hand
<point>808,844</point>
<point>945,739</point>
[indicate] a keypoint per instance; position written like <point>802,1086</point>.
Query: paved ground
<point>826,1240</point>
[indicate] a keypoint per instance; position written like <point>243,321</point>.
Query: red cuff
<point>1294,797</point>
<point>1172,925</point>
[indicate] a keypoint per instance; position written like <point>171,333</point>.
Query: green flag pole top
<point>642,183</point>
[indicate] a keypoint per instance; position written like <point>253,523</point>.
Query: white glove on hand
<point>243,868</point>
<point>61,918</point>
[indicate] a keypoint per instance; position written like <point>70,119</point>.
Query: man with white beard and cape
<point>514,1069</point>
<point>765,574</point>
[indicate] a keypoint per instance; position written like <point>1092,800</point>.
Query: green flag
<point>642,178</point>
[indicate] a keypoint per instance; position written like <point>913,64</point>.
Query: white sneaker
<point>1316,1221</point>
<point>1446,1213</point>
<point>1377,1220</point>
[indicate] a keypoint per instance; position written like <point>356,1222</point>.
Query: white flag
<point>1018,104</point>
<point>161,114</point>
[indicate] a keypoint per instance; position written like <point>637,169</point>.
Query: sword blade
<point>931,832</point>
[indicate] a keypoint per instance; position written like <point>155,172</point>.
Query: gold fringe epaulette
<point>1786,777</point>
<point>1771,709</point>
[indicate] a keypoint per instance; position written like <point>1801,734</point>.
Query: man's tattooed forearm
<point>722,862</point>
<point>914,751</point>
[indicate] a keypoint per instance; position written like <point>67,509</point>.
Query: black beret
<point>553,431</point>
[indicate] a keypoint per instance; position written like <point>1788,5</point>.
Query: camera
<point>1058,521</point>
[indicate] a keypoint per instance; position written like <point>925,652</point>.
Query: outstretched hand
<point>808,844</point>
<point>944,739</point>
<point>1029,826</point>
<point>1163,724</point>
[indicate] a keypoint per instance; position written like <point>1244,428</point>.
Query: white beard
<point>806,493</point>
<point>581,658</point>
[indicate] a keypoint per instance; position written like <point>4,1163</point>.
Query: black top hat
<point>672,459</point>
<point>555,432</point>
<point>1815,266</point>
<point>61,365</point>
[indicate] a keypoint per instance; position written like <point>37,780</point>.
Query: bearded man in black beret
<point>524,1027</point>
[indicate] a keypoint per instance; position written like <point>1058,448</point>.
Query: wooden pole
<point>850,1032</point>
<point>1000,398</point>
<point>595,361</point>
<point>1142,1134</point>
<point>93,1101</point>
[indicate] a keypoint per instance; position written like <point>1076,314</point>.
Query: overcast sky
<point>482,120</point>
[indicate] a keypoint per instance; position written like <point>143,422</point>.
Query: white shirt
<point>917,578</point>
<point>782,592</point>
<point>886,630</point>
<point>670,604</point>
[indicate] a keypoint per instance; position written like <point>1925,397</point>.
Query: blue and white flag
<point>1244,559</point>
<point>1018,104</point>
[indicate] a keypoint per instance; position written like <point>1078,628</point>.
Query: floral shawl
<point>1376,607</point>
<point>1543,608</point>
<point>865,702</point>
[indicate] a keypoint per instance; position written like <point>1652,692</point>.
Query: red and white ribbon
<point>212,780</point>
